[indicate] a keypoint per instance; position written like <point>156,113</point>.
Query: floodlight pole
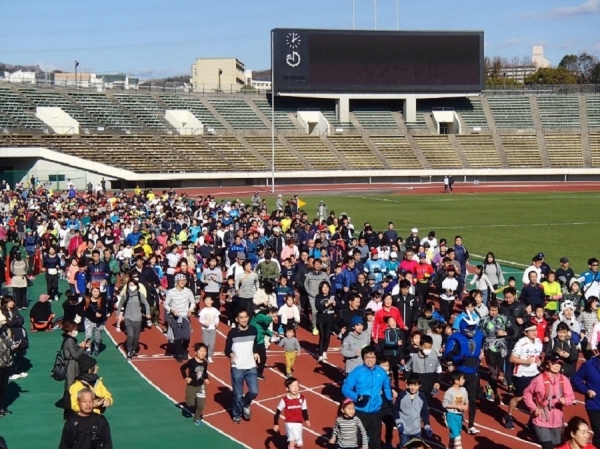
<point>397,15</point>
<point>353,15</point>
<point>272,114</point>
<point>375,9</point>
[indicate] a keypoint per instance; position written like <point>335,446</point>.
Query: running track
<point>320,383</point>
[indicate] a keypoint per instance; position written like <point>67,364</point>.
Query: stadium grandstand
<point>129,138</point>
<point>353,106</point>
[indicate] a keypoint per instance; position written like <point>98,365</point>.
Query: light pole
<point>375,9</point>
<point>76,65</point>
<point>397,15</point>
<point>272,113</point>
<point>219,85</point>
<point>353,16</point>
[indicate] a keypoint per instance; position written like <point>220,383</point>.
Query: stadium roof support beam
<point>409,109</point>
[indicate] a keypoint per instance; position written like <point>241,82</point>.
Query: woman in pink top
<point>546,396</point>
<point>379,321</point>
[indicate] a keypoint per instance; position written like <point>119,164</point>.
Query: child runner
<point>209,319</point>
<point>289,313</point>
<point>540,322</point>
<point>195,373</point>
<point>387,408</point>
<point>229,293</point>
<point>456,402</point>
<point>291,346</point>
<point>411,410</point>
<point>426,365</point>
<point>348,428</point>
<point>393,347</point>
<point>295,412</point>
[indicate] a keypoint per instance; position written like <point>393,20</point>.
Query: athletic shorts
<point>294,432</point>
<point>547,434</point>
<point>454,423</point>
<point>521,383</point>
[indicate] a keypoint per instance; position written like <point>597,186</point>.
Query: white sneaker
<point>472,431</point>
<point>320,359</point>
<point>14,377</point>
<point>324,356</point>
<point>23,374</point>
<point>210,360</point>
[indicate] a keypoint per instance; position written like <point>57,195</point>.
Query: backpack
<point>561,388</point>
<point>59,369</point>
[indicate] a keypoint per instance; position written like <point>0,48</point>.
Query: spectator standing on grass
<point>461,255</point>
<point>493,270</point>
<point>241,347</point>
<point>368,385</point>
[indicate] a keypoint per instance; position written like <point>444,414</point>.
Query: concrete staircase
<point>489,117</point>
<point>539,131</point>
<point>295,152</point>
<point>261,115</point>
<point>458,150</point>
<point>422,159</point>
<point>375,150</point>
<point>339,157</point>
<point>585,132</point>
<point>216,114</point>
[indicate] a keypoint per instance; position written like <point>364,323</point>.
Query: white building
<point>20,77</point>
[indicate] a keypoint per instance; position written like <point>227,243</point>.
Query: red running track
<point>320,383</point>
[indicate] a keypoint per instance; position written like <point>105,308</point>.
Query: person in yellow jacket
<point>88,378</point>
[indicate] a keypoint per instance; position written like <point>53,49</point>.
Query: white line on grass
<point>520,225</point>
<point>156,387</point>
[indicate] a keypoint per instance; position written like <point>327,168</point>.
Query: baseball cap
<point>422,256</point>
<point>554,359</point>
<point>374,252</point>
<point>564,260</point>
<point>530,327</point>
<point>240,256</point>
<point>393,255</point>
<point>414,230</point>
<point>371,276</point>
<point>539,255</point>
<point>180,276</point>
<point>356,320</point>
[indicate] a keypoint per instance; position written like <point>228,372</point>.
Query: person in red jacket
<point>578,435</point>
<point>380,321</point>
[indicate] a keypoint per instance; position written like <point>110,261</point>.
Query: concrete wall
<point>58,120</point>
<point>184,121</point>
<point>314,122</point>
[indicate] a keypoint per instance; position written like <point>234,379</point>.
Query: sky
<point>157,38</point>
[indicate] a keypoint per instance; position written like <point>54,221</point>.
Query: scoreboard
<point>339,61</point>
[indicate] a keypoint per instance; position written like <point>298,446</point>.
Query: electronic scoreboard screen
<point>334,61</point>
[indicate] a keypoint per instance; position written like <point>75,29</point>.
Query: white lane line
<point>157,388</point>
<point>258,403</point>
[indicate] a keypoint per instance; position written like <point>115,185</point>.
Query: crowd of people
<point>402,307</point>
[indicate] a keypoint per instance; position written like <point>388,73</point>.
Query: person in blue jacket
<point>587,381</point>
<point>463,353</point>
<point>364,385</point>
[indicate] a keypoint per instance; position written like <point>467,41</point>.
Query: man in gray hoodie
<point>353,344</point>
<point>311,285</point>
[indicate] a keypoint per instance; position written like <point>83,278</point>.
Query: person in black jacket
<point>408,305</point>
<point>86,429</point>
<point>14,322</point>
<point>564,347</point>
<point>514,310</point>
<point>342,325</point>
<point>41,315</point>
<point>325,304</point>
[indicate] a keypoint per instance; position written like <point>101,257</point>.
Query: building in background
<point>217,75</point>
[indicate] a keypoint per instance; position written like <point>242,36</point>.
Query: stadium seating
<point>153,149</point>
<point>438,151</point>
<point>194,105</point>
<point>522,150</point>
<point>356,152</point>
<point>121,153</point>
<point>145,108</point>
<point>595,149</point>
<point>284,158</point>
<point>316,153</point>
<point>593,110</point>
<point>511,111</point>
<point>103,109</point>
<point>420,123</point>
<point>480,151</point>
<point>397,152</point>
<point>17,112</point>
<point>559,111</point>
<point>375,118</point>
<point>235,153</point>
<point>237,112</point>
<point>564,150</point>
<point>194,149</point>
<point>470,109</point>
<point>282,114</point>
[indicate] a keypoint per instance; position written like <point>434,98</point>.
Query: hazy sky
<point>154,38</point>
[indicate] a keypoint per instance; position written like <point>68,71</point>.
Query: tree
<point>550,75</point>
<point>581,65</point>
<point>570,62</point>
